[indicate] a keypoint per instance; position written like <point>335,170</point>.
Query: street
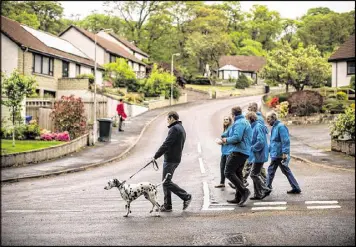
<point>74,209</point>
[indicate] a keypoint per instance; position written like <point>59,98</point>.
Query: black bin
<point>104,129</point>
<point>266,89</point>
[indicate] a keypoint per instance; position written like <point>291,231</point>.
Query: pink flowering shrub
<point>47,136</point>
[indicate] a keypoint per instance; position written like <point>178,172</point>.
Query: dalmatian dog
<point>130,192</point>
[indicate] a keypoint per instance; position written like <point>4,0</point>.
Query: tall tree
<point>18,11</point>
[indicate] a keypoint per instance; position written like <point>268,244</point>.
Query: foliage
<point>89,76</point>
<point>341,96</point>
<point>344,126</point>
<point>304,103</point>
<point>32,130</point>
<point>68,115</point>
<point>64,136</point>
<point>242,82</point>
<point>352,82</point>
<point>16,87</point>
<point>118,70</point>
<point>335,106</point>
<point>283,109</point>
<point>133,98</point>
<point>273,102</point>
<point>18,132</point>
<point>132,85</point>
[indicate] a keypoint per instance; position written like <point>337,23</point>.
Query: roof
<point>18,34</point>
<point>245,63</point>
<point>129,44</point>
<point>345,51</point>
<point>106,44</point>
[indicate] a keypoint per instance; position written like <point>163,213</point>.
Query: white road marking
<point>40,211</point>
<point>202,169</point>
<point>321,202</point>
<point>323,207</point>
<point>199,147</point>
<point>206,196</point>
<point>217,209</point>
<point>269,203</point>
<point>269,208</point>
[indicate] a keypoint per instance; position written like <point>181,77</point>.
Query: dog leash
<point>155,167</point>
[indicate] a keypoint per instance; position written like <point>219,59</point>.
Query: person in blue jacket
<point>239,136</point>
<point>258,155</point>
<point>279,150</point>
<point>225,151</point>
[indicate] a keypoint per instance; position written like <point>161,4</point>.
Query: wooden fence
<point>40,109</point>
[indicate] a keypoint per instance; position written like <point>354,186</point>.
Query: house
<point>109,47</point>
<point>233,66</point>
<point>50,59</point>
<point>343,63</point>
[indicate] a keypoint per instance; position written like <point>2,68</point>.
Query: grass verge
<point>25,145</point>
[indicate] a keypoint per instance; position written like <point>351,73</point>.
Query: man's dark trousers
<point>169,186</point>
<point>233,171</point>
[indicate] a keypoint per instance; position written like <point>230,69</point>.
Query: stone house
<point>109,47</point>
<point>343,63</point>
<point>231,67</point>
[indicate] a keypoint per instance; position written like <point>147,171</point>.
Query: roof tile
<point>346,50</point>
<point>245,63</point>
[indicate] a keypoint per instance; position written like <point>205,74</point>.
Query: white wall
<point>139,56</point>
<point>229,74</point>
<point>9,55</point>
<point>339,70</point>
<point>84,44</point>
<point>136,67</point>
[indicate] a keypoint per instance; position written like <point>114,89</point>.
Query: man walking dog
<point>172,149</point>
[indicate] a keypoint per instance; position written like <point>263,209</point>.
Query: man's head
<point>236,111</point>
<point>172,116</point>
<point>253,107</point>
<point>271,118</point>
<point>251,116</point>
<point>120,100</point>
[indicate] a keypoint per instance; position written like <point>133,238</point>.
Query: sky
<point>287,9</point>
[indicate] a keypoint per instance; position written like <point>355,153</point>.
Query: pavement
<point>309,143</point>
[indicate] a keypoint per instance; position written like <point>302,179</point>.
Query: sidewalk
<point>309,143</point>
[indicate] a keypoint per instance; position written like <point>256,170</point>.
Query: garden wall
<point>166,102</point>
<point>347,147</point>
<point>26,158</point>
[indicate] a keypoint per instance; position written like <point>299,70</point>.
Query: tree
<point>298,68</point>
<point>118,70</point>
<point>18,11</point>
<point>15,88</point>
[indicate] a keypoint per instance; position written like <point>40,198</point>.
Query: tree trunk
<point>287,87</point>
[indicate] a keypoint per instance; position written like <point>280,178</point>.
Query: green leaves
<point>344,126</point>
<point>118,70</point>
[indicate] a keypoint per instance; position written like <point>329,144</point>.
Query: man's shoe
<point>164,209</point>
<point>235,201</point>
<point>294,191</point>
<point>244,198</point>
<point>256,198</point>
<point>187,202</point>
<point>220,186</point>
<point>121,130</point>
<point>231,185</point>
<point>267,193</point>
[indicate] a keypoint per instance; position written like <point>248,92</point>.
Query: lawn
<point>23,146</point>
<point>209,87</point>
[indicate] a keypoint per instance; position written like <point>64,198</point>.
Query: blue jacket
<point>279,143</point>
<point>259,145</point>
<point>240,135</point>
<point>261,120</point>
<point>226,148</point>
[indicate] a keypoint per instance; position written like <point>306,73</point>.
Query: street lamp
<point>175,54</point>
<point>95,126</point>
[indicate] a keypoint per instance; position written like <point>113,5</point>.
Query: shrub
<point>48,136</point>
<point>133,98</point>
<point>344,125</point>
<point>282,109</point>
<point>201,80</point>
<point>242,82</point>
<point>32,130</point>
<point>283,97</point>
<point>341,96</point>
<point>132,85</point>
<point>19,132</point>
<point>273,102</point>
<point>352,82</point>
<point>336,106</point>
<point>68,115</point>
<point>304,103</point>
<point>86,76</point>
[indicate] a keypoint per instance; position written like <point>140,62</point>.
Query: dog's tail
<point>164,180</point>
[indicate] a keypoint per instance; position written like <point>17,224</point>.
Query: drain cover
<point>232,239</point>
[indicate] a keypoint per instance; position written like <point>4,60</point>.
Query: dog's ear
<point>116,182</point>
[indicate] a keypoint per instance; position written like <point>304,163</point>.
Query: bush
<point>344,125</point>
<point>132,85</point>
<point>352,82</point>
<point>283,109</point>
<point>68,115</point>
<point>334,106</point>
<point>86,76</point>
<point>283,97</point>
<point>201,80</point>
<point>273,102</point>
<point>133,98</point>
<point>304,103</point>
<point>242,82</point>
<point>32,130</point>
<point>341,96</point>
<point>19,132</point>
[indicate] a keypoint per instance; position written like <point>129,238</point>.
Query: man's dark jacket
<point>172,147</point>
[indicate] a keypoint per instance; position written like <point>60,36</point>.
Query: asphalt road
<point>74,209</point>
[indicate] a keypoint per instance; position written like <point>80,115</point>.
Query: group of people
<point>244,147</point>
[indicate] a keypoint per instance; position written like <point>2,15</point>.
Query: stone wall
<point>73,84</point>
<point>26,158</point>
<point>347,147</point>
<point>166,102</point>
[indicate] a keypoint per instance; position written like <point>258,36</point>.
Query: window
<point>113,58</point>
<point>42,64</point>
<point>351,67</point>
<point>77,69</point>
<point>92,71</point>
<point>65,69</point>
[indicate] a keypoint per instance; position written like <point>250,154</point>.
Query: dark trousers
<point>169,186</point>
<point>120,122</point>
<point>285,170</point>
<point>247,172</point>
<point>259,185</point>
<point>222,168</point>
<point>233,171</point>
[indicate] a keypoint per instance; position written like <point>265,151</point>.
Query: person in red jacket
<point>121,112</point>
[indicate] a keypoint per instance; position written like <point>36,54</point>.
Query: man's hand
<point>223,140</point>
<point>284,156</point>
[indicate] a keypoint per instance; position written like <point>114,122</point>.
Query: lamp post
<point>175,54</point>
<point>95,125</point>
